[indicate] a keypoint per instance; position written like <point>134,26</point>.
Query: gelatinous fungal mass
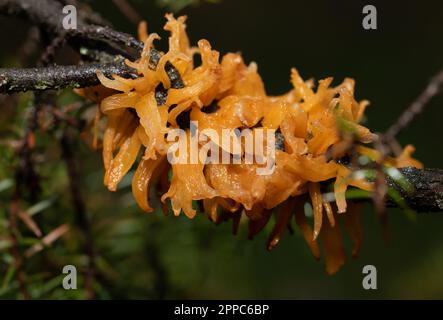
<point>317,134</point>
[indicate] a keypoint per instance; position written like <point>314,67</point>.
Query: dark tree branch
<point>49,16</point>
<point>427,195</point>
<point>424,195</point>
<point>105,39</point>
<point>104,34</point>
<point>58,77</point>
<point>95,42</point>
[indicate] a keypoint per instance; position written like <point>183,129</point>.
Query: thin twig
<point>29,46</point>
<point>47,240</point>
<point>129,12</point>
<point>416,108</point>
<point>49,54</point>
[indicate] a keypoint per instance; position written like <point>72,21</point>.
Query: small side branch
<point>416,108</point>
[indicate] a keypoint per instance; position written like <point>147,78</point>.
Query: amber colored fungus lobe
<point>313,124</point>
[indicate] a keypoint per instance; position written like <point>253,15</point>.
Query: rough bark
<point>427,195</point>
<point>58,77</point>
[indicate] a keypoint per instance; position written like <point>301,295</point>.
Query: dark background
<point>152,256</point>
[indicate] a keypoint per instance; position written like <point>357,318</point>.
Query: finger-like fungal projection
<point>318,140</point>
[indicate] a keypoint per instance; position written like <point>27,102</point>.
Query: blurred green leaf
<point>401,203</point>
<point>354,193</point>
<point>8,276</point>
<point>399,179</point>
<point>5,244</point>
<point>6,184</point>
<point>42,289</point>
<point>40,206</point>
<point>364,174</point>
<point>309,212</point>
<point>29,241</point>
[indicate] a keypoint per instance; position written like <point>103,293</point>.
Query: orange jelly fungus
<point>314,124</point>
